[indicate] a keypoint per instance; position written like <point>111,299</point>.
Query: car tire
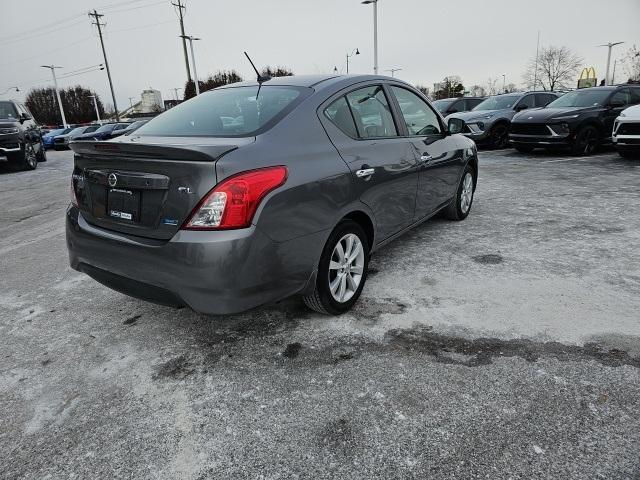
<point>499,136</point>
<point>460,205</point>
<point>524,148</point>
<point>628,153</point>
<point>340,279</point>
<point>587,141</point>
<point>28,157</point>
<point>42,153</point>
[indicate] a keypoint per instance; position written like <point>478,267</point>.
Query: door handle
<point>365,172</point>
<point>424,158</point>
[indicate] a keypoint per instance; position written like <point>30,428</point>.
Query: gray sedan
<point>254,192</point>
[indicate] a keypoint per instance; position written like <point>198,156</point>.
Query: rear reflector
<point>233,203</point>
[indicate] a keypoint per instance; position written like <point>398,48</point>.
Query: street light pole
<point>504,81</point>
<point>375,33</point>
<point>393,71</point>
<point>193,61</point>
<point>9,89</point>
<point>610,45</point>
<point>353,52</point>
<point>95,104</point>
<point>55,84</point>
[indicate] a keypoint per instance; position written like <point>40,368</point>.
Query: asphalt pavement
<point>506,346</point>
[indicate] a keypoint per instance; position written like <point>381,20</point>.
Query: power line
<point>39,34</point>
<point>136,8</point>
<point>149,25</point>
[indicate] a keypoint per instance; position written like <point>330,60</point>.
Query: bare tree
<point>451,86</point>
<point>213,81</point>
<point>491,87</point>
<point>424,90</point>
<point>510,88</point>
<point>557,68</point>
<point>477,91</point>
<point>78,106</point>
<point>632,63</point>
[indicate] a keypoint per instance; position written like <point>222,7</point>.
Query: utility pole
<point>193,61</point>
<point>610,45</point>
<point>55,84</point>
<point>375,33</point>
<point>535,73</point>
<point>349,55</point>
<point>504,81</point>
<point>97,23</point>
<point>175,92</point>
<point>181,8</point>
<point>393,71</point>
<point>95,104</point>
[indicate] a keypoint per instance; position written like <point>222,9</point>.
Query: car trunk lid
<point>146,186</point>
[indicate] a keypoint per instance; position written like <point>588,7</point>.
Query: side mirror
<point>24,117</point>
<point>455,125</point>
<point>521,107</point>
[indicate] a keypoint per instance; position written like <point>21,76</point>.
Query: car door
<point>361,126</point>
<point>437,153</point>
<point>620,100</point>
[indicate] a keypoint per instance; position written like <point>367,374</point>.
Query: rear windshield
<point>227,112</point>
<point>584,98</point>
<point>499,102</point>
<point>7,110</point>
<point>106,128</point>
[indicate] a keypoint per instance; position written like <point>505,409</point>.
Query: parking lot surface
<point>504,346</point>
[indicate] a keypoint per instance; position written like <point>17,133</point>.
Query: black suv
<point>20,141</point>
<point>581,120</point>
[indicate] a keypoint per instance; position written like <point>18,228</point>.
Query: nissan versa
<point>253,192</point>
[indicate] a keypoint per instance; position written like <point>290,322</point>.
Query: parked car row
<point>59,139</point>
<point>579,121</point>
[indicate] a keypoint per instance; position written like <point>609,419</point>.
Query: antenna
<point>260,77</point>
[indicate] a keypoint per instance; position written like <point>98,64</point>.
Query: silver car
<point>313,174</point>
<point>488,123</point>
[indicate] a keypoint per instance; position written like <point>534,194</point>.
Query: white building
<point>151,101</point>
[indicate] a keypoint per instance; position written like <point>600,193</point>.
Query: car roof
<point>318,82</point>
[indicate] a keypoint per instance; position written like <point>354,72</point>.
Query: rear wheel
<point>499,136</point>
<point>587,141</point>
<point>342,271</point>
<point>42,153</point>
<point>460,206</point>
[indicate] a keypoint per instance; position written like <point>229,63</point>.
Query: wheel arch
<point>365,221</point>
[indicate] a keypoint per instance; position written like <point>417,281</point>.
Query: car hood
<point>632,112</point>
<point>481,114</point>
<point>542,115</point>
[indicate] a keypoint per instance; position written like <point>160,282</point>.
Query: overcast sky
<point>427,39</point>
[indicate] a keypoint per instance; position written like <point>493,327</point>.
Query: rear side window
<point>340,115</point>
<point>527,100</point>
<point>544,99</point>
<point>372,113</point>
<point>473,102</point>
<point>227,112</point>
<point>419,117</point>
<point>622,96</point>
<point>635,95</point>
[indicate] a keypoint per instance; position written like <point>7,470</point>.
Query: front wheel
<point>586,142</point>
<point>499,136</point>
<point>342,270</point>
<point>29,157</point>
<point>460,205</point>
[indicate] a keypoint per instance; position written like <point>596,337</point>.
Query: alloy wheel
<point>346,268</point>
<point>589,141</point>
<point>30,157</point>
<point>466,194</point>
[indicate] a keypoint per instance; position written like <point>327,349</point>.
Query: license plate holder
<point>123,204</point>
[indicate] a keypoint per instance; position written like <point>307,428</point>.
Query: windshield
<point>8,110</point>
<point>106,128</point>
<point>499,102</point>
<point>226,112</point>
<point>59,131</point>
<point>584,98</point>
<point>77,131</point>
<point>442,105</point>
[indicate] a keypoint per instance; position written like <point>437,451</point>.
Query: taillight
<point>233,202</point>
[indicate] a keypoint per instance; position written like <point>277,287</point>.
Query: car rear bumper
<point>219,272</point>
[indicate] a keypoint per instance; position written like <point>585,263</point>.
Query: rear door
<point>436,152</point>
<point>361,126</point>
<point>622,98</point>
